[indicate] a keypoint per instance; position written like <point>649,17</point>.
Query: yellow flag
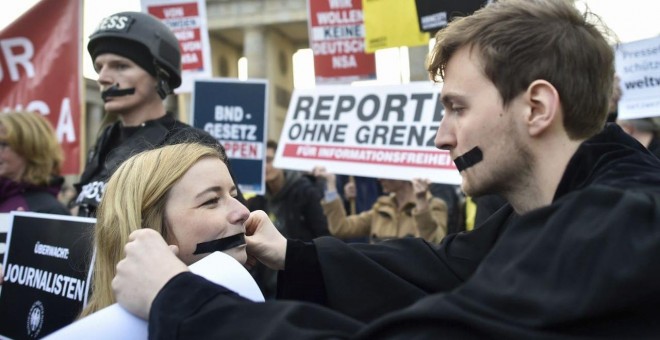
<point>391,23</point>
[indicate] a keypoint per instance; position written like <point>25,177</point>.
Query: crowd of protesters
<point>552,233</point>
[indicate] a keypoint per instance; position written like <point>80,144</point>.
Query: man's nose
<point>445,138</point>
<point>104,77</point>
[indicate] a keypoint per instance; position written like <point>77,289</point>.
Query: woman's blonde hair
<point>134,198</point>
<point>32,137</point>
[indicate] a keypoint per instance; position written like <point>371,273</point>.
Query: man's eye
<point>457,109</point>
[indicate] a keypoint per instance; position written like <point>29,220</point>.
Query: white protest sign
<point>376,131</point>
<point>638,67</point>
<point>114,322</point>
<point>4,227</point>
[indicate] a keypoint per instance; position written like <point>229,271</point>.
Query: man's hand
<point>149,264</point>
<point>264,241</point>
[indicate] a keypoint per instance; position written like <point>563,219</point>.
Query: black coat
<point>103,160</point>
<point>584,266</point>
<point>296,208</point>
<point>296,212</point>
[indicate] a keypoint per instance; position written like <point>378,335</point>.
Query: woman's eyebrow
<point>214,189</point>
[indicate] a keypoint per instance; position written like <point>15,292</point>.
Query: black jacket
<point>654,146</point>
<point>296,208</point>
<point>296,212</point>
<point>41,199</point>
<point>584,266</point>
<point>103,160</point>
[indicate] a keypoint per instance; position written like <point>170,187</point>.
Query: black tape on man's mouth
<point>114,91</point>
<point>469,159</point>
<point>220,244</point>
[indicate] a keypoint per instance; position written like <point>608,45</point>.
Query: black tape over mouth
<point>114,91</point>
<point>220,244</point>
<point>469,159</point>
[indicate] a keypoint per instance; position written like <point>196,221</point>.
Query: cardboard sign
<point>376,131</point>
<point>336,35</point>
<point>235,113</point>
<point>638,67</point>
<point>46,271</point>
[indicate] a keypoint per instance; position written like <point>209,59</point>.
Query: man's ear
<point>545,107</point>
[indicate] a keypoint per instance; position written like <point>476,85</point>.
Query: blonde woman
<point>184,192</point>
<point>30,160</point>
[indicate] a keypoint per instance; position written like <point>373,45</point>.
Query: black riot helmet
<point>145,40</point>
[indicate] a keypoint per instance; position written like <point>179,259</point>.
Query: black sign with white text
<point>46,273</point>
<point>434,15</point>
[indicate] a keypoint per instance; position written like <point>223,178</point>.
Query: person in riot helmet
<point>138,61</point>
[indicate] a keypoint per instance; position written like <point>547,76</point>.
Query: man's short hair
<point>520,41</point>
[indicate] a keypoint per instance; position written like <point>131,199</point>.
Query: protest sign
<point>638,67</point>
<point>400,29</point>
<point>114,322</point>
<point>434,15</point>
<point>47,273</point>
<point>336,36</point>
<point>40,70</point>
<point>376,131</point>
<point>187,19</point>
<point>235,113</point>
<point>4,227</point>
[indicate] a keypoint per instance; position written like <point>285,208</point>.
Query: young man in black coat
<point>573,254</point>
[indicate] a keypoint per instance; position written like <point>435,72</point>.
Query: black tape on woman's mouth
<point>114,91</point>
<point>220,244</point>
<point>469,159</point>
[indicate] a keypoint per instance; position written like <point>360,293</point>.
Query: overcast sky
<point>631,19</point>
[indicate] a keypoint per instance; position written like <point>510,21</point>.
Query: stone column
<point>417,56</point>
<point>254,49</point>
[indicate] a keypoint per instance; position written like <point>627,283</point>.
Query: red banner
<point>40,70</point>
<point>336,35</point>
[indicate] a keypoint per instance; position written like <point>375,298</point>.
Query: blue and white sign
<point>235,113</point>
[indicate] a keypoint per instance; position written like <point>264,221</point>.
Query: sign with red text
<point>235,113</point>
<point>638,67</point>
<point>376,131</point>
<point>187,19</point>
<point>46,273</point>
<point>336,36</point>
<point>40,70</point>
